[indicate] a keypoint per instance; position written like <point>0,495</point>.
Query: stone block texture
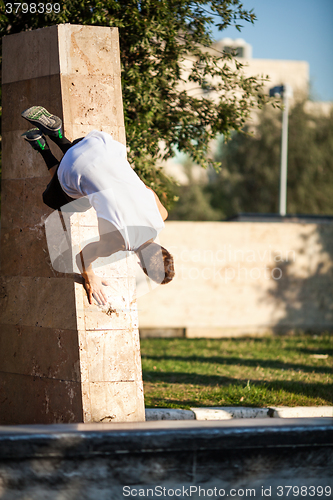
<point>61,359</point>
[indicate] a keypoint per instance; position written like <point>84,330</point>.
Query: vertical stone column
<point>61,359</point>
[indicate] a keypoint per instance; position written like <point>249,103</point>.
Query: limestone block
<point>45,302</point>
<point>42,58</point>
<point>91,109</point>
<point>90,74</point>
<point>88,51</point>
<point>29,164</point>
<point>116,265</point>
<point>24,252</point>
<point>12,214</point>
<point>117,313</point>
<point>40,352</point>
<point>110,399</point>
<point>22,94</point>
<point>38,211</point>
<point>11,255</point>
<point>54,401</point>
<point>111,355</point>
<point>118,133</point>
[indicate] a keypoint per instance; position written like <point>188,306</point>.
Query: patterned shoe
<point>35,138</point>
<point>47,123</point>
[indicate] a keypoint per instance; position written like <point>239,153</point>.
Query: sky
<point>300,30</point>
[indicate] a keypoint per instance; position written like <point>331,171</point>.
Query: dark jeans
<point>54,196</point>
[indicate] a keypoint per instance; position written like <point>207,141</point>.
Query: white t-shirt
<point>97,167</point>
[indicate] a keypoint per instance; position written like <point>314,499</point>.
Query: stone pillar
<point>61,359</point>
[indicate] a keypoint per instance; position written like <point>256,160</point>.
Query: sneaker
<point>47,123</point>
<point>35,138</point>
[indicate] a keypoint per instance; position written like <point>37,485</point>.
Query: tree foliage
<point>249,178</point>
<point>156,36</point>
<point>194,201</point>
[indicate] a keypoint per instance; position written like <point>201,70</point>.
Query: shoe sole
<point>40,117</point>
<point>36,139</point>
<point>35,135</point>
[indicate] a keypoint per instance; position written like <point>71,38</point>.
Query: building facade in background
<point>279,72</point>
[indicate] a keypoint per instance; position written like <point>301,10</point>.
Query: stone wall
<point>243,458</point>
<point>61,359</point>
<point>239,278</point>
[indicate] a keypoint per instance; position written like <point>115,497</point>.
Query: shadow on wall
<point>305,290</point>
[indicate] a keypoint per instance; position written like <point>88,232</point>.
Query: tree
<point>249,178</point>
<point>194,202</point>
<point>310,164</point>
<point>155,37</point>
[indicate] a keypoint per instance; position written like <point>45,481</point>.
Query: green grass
<point>260,372</point>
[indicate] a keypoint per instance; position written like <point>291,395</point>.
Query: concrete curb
<point>301,411</point>
<point>169,414</point>
<point>228,412</point>
<point>233,412</point>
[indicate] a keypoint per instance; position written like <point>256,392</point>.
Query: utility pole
<point>286,92</point>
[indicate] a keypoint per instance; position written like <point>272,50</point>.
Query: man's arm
<point>162,210</point>
<point>110,241</point>
<point>92,283</point>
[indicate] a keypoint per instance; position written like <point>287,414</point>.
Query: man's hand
<point>94,288</point>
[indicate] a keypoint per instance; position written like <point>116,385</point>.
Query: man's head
<point>156,262</point>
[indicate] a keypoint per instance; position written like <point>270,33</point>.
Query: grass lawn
<point>260,372</point>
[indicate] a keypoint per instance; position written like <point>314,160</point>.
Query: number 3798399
<point>32,8</point>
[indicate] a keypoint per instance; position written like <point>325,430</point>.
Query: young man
<point>95,168</point>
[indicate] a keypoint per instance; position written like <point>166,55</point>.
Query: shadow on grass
<point>313,390</point>
<point>310,351</point>
<point>264,363</point>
